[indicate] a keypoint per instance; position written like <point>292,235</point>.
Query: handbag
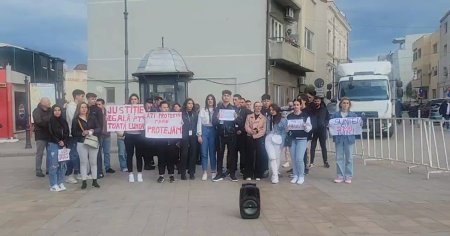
<point>277,139</point>
<point>90,140</point>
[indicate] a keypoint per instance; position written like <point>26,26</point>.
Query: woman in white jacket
<point>275,140</point>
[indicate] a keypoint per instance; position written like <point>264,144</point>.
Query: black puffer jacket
<point>41,119</point>
<point>59,130</point>
<point>91,123</point>
<point>224,128</point>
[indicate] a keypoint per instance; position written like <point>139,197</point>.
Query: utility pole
<point>27,114</point>
<point>125,16</point>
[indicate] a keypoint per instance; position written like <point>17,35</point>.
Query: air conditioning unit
<point>290,13</point>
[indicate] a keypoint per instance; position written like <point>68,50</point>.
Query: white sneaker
<point>286,164</point>
<point>71,180</point>
<point>205,176</point>
<point>275,181</point>
<point>258,179</point>
<point>213,175</point>
<point>294,180</point>
<point>125,170</point>
<point>131,178</point>
<point>62,187</point>
<point>248,179</point>
<point>89,177</point>
<point>55,188</point>
<point>301,180</point>
<point>139,178</point>
<point>79,177</point>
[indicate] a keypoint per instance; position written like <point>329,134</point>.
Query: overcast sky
<point>58,27</point>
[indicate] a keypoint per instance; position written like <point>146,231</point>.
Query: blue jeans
<point>106,149</point>
<point>344,159</point>
<point>208,147</point>
<point>73,166</point>
<point>298,149</point>
<point>122,154</point>
<point>56,169</point>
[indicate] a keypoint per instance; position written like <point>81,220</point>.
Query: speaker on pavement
<point>249,201</point>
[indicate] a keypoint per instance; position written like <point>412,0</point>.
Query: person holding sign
<point>59,135</point>
<point>226,129</point>
<point>344,145</point>
<point>84,126</point>
<point>134,141</point>
<point>167,151</point>
<point>189,140</point>
<point>299,125</point>
<point>255,125</point>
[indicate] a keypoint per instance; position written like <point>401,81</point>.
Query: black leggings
<point>134,141</point>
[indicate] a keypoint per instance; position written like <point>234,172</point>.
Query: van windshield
<point>364,90</point>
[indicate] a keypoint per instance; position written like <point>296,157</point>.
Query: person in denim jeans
<point>59,134</point>
<point>299,125</point>
<point>344,146</point>
<point>121,151</point>
<point>206,135</point>
<point>105,144</point>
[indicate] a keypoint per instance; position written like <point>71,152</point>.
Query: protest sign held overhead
<point>163,125</point>
<point>346,126</point>
<point>125,117</point>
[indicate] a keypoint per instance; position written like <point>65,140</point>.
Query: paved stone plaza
<point>383,200</point>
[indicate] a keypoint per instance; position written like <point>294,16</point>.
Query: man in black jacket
<point>96,112</point>
<point>226,130</point>
<point>444,111</point>
<point>320,112</point>
<point>242,113</point>
<point>41,119</point>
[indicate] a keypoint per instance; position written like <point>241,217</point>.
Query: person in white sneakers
<point>275,139</point>
<point>299,125</point>
<point>59,134</point>
<point>133,141</point>
<point>206,135</point>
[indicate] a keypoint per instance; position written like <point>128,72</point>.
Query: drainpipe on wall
<point>267,46</point>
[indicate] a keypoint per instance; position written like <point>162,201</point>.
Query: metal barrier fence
<point>412,141</point>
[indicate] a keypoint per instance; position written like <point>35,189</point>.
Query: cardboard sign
<point>296,124</point>
<point>346,126</point>
<point>125,117</point>
<point>63,154</point>
<point>163,125</point>
<point>226,115</point>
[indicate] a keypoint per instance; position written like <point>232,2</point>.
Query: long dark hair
<point>206,101</point>
<point>186,102</point>
<point>133,95</point>
<point>277,118</point>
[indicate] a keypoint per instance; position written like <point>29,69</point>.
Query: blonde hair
<point>345,99</point>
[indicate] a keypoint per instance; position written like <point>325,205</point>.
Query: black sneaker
<point>233,178</point>
<point>326,165</point>
<point>290,171</point>
<point>40,174</point>
<point>171,179</point>
<point>191,176</point>
<point>218,178</point>
<point>306,171</point>
<point>183,177</point>
<point>161,179</point>
<point>110,171</point>
<point>100,175</point>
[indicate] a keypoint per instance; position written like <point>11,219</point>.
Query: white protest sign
<point>125,117</point>
<point>296,124</point>
<point>163,125</point>
<point>63,154</point>
<point>346,126</point>
<point>226,115</point>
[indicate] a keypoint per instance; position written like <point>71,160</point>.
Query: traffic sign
<point>319,83</point>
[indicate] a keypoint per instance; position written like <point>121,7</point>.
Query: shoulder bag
<point>90,140</point>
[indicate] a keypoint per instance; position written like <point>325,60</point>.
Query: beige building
<point>426,65</point>
<point>332,33</point>
<point>76,79</point>
<point>444,56</point>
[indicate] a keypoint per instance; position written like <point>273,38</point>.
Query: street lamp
<point>27,114</point>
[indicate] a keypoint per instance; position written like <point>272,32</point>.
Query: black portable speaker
<point>249,201</point>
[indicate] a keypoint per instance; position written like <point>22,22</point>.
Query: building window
<point>110,95</point>
<point>419,53</point>
<point>435,48</point>
<point>435,71</point>
<point>329,42</point>
<point>446,27</point>
<point>415,54</point>
<point>309,38</point>
<point>277,32</point>
<point>433,92</point>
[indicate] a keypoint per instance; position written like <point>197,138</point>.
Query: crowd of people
<point>254,143</point>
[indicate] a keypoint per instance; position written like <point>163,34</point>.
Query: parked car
<point>431,109</point>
